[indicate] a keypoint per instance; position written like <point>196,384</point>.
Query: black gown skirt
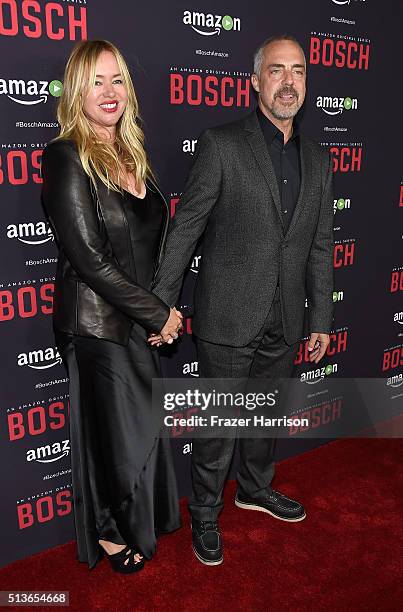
<point>124,485</point>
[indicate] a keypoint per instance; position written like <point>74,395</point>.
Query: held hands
<point>170,331</point>
<point>317,346</point>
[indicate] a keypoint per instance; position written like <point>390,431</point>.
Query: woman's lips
<point>109,107</point>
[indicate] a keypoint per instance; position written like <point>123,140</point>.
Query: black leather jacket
<point>96,292</point>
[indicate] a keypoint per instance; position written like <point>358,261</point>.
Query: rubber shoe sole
<point>205,562</point>
<point>246,506</point>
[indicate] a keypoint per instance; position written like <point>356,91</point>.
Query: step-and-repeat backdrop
<point>191,64</point>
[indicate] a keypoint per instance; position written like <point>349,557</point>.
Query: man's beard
<point>285,112</point>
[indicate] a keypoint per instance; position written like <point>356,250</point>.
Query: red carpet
<point>346,555</point>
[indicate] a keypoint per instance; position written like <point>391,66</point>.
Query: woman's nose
<point>109,90</point>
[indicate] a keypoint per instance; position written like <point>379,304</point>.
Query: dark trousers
<point>267,356</point>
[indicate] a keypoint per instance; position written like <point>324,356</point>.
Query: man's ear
<point>255,82</point>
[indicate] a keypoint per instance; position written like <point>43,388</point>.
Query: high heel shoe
<point>124,561</point>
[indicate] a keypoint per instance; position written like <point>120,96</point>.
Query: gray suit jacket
<point>232,196</point>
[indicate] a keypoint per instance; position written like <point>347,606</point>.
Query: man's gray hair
<point>258,56</point>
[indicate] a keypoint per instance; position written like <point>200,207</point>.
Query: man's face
<point>281,83</point>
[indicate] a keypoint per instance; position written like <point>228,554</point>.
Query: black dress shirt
<point>286,163</point>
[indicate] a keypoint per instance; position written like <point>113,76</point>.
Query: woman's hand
<point>155,339</point>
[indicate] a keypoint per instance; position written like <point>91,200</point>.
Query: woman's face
<point>107,99</point>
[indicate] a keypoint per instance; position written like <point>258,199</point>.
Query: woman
<point>110,222</point>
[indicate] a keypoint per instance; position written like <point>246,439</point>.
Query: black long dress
<point>124,486</point>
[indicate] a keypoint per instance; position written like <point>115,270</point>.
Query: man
<point>262,194</point>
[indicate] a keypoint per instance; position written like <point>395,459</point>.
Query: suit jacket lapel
<point>305,156</point>
<point>259,149</point>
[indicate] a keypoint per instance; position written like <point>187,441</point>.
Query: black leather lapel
<point>117,227</point>
<point>153,185</point>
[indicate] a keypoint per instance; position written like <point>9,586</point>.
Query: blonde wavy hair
<point>100,158</point>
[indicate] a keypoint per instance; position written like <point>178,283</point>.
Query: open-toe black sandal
<point>124,561</point>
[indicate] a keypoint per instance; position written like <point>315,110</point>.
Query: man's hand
<point>170,331</point>
<point>317,345</point>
